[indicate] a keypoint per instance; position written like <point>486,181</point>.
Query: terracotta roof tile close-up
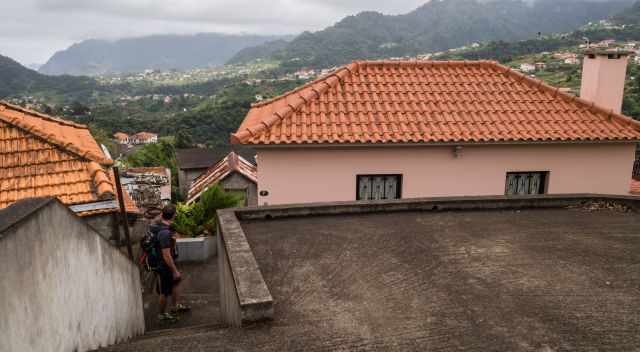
<point>42,156</point>
<point>216,173</point>
<point>429,102</point>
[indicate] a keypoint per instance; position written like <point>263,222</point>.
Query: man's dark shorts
<point>165,282</point>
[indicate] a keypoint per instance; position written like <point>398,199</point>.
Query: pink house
<point>386,130</point>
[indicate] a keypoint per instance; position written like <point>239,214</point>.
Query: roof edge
<point>51,138</point>
<point>43,116</point>
<point>25,208</point>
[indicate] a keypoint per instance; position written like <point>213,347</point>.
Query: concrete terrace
<point>552,279</point>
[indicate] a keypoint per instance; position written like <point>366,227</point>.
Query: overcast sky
<point>32,30</point>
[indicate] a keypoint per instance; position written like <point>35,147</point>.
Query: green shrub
<point>200,217</point>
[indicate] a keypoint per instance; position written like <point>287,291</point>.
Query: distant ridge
<point>95,57</point>
<point>437,25</point>
<point>16,79</point>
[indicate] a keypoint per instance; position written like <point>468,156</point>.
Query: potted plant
<point>197,224</point>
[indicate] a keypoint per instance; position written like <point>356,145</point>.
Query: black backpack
<point>150,258</point>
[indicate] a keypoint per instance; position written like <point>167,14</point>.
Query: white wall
<point>64,288</point>
<point>303,175</point>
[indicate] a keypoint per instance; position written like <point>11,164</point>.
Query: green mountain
<point>439,25</point>
<point>265,50</point>
<point>162,52</point>
<point>626,27</point>
<point>630,16</point>
<point>16,79</point>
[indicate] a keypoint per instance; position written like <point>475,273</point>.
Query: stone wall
<point>244,296</point>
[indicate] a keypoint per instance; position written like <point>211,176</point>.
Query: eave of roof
<point>271,115</point>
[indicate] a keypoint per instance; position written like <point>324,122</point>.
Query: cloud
<point>32,30</point>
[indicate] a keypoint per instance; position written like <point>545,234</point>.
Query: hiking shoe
<point>181,308</point>
<point>167,318</point>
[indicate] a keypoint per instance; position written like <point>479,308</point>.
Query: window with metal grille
<point>523,183</point>
<point>378,187</point>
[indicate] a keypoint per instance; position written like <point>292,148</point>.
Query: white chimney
<point>603,77</point>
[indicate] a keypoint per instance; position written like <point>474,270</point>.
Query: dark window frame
<point>398,190</point>
<point>544,182</point>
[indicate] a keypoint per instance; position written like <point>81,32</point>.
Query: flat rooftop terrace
<point>555,279</point>
<point>475,280</point>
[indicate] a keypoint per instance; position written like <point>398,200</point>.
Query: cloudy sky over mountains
<point>32,30</point>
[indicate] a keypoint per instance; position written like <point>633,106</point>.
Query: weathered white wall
<point>304,175</point>
<point>65,288</point>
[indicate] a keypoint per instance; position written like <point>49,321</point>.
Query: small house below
<point>234,174</point>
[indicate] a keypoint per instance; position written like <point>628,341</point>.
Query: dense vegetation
<point>199,218</point>
<point>439,25</point>
<point>223,113</point>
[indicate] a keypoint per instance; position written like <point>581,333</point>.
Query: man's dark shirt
<point>164,240</point>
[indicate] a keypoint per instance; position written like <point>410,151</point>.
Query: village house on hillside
<point>121,138</point>
<point>143,138</point>
<point>136,139</point>
<point>388,130</point>
<point>46,156</point>
<point>234,174</point>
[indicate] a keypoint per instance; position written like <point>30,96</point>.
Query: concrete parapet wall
<point>244,296</point>
<point>198,249</point>
<point>431,204</point>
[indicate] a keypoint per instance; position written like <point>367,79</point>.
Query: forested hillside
<point>436,26</point>
<point>16,79</point>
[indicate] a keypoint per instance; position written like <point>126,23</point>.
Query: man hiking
<point>169,277</point>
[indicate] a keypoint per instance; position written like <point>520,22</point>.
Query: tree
<point>162,153</point>
<point>183,140</point>
<point>78,109</point>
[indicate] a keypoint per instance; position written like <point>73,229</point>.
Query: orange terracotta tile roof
<point>216,173</point>
<point>429,102</point>
<point>120,136</point>
<point>44,156</point>
<point>158,170</point>
<point>145,135</point>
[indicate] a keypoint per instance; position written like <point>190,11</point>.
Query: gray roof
<point>201,158</point>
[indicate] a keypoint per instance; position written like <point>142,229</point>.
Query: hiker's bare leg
<point>174,294</point>
<point>162,303</point>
